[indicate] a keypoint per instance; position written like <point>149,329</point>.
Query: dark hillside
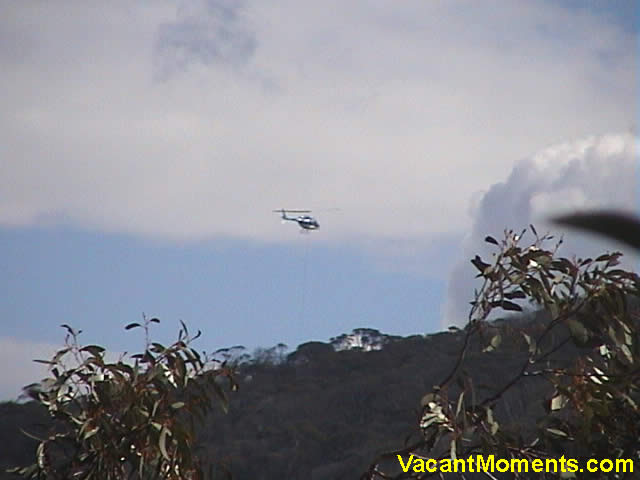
<point>325,414</point>
<point>15,447</point>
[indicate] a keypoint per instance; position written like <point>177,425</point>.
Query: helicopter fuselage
<point>306,222</point>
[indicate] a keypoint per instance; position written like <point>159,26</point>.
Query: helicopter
<point>306,222</point>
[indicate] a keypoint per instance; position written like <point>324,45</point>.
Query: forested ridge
<point>319,413</point>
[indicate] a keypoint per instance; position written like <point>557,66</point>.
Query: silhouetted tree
<point>128,419</point>
<point>592,407</point>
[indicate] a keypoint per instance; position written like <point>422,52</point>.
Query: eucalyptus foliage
<point>592,410</point>
<point>133,418</point>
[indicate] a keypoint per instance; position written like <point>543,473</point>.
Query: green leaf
<point>59,354</point>
<point>479,264</point>
<point>141,466</point>
<point>515,294</point>
<point>586,261</point>
<point>184,328</point>
<point>494,344</point>
<point>94,350</point>
<point>578,332</point>
<point>558,402</point>
<point>70,330</point>
<point>490,239</point>
<point>531,342</point>
<point>32,436</point>
<point>557,432</point>
<point>40,455</point>
<point>459,407</point>
<point>156,404</point>
<point>132,325</point>
<point>494,426</point>
<point>46,362</point>
<point>507,305</point>
<point>162,443</point>
<point>627,353</point>
<point>90,433</point>
<point>562,265</point>
<point>428,398</point>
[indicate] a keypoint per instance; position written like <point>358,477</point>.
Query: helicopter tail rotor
<point>282,213</point>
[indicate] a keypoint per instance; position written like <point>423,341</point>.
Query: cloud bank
<point>204,32</point>
<point>192,122</point>
<point>17,356</point>
<point>596,172</point>
<point>20,354</point>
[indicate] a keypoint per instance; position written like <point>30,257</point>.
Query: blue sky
<point>144,146</point>
<point>236,292</point>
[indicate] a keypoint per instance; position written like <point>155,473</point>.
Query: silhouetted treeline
<point>319,413</point>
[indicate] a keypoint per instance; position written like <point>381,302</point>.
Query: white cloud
<point>593,173</point>
<point>207,32</point>
<point>20,355</point>
<point>20,369</point>
<point>395,112</point>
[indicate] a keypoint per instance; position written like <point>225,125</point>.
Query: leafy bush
<point>132,418</point>
<point>592,407</point>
